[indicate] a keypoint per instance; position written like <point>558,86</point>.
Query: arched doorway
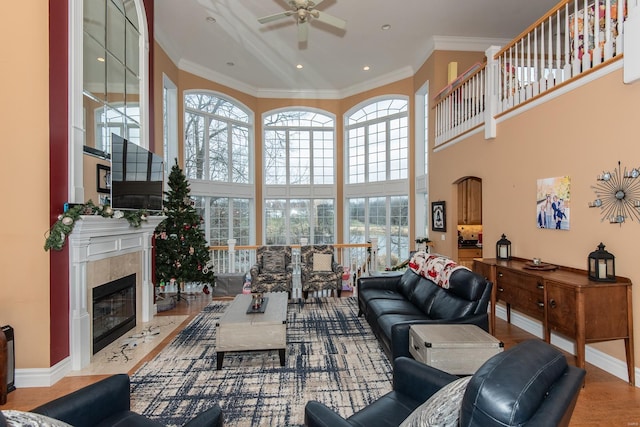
<point>469,220</point>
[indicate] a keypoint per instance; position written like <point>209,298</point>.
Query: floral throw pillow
<point>29,419</point>
<point>442,409</point>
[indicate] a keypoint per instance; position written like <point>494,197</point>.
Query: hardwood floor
<point>605,401</point>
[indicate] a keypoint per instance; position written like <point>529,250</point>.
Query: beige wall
<point>24,179</point>
<point>579,134</point>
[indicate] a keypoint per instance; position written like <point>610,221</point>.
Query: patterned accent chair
<point>318,269</point>
<point>273,270</point>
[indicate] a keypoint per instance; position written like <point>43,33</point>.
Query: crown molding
<point>471,44</point>
<point>465,44</point>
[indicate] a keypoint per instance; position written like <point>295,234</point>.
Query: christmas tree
<point>182,254</point>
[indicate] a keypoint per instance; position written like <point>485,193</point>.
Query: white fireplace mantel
<point>96,238</point>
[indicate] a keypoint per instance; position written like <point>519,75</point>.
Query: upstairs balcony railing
<point>569,41</point>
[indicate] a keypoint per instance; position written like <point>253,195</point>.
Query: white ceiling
<point>264,57</point>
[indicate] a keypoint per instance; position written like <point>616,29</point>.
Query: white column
<point>79,322</point>
<point>491,92</point>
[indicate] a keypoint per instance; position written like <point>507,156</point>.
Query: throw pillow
<point>273,262</point>
<point>322,262</point>
<point>30,419</point>
<point>442,409</point>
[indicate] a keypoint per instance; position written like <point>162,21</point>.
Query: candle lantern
<point>602,265</point>
<point>503,248</point>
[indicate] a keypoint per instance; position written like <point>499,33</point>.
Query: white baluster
<point>596,57</point>
<point>586,55</point>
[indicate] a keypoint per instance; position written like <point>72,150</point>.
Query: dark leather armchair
<point>107,403</point>
<point>529,385</point>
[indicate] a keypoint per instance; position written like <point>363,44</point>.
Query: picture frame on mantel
<point>438,216</point>
<point>103,178</point>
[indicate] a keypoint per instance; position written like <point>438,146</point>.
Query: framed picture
<point>553,203</point>
<point>438,216</point>
<point>103,179</point>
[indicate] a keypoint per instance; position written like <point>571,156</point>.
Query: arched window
<point>217,150</point>
<point>299,160</point>
<point>377,147</point>
<point>216,139</point>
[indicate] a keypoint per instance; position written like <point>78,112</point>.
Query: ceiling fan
<point>304,11</point>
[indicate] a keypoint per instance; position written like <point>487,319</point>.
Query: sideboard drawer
<point>524,292</point>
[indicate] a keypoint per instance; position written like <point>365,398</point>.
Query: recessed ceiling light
<point>210,19</point>
<point>366,68</point>
<point>231,63</point>
<point>299,66</point>
<point>386,27</point>
<point>100,59</point>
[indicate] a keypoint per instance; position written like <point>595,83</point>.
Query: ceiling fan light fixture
<point>366,68</point>
<point>299,66</point>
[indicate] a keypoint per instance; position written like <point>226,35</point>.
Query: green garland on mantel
<point>57,234</point>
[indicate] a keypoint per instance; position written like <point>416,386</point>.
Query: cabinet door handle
<point>540,285</point>
<point>499,274</point>
<point>500,289</point>
<point>552,303</point>
<point>540,304</point>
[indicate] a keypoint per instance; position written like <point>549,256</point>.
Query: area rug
<point>332,356</point>
<point>123,354</point>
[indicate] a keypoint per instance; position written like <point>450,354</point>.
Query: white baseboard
<point>597,358</point>
<point>42,377</point>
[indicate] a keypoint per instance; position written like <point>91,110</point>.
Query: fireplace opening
<point>114,311</point>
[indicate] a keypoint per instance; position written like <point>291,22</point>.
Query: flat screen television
<point>136,176</point>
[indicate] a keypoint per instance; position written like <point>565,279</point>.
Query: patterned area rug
<point>332,356</point>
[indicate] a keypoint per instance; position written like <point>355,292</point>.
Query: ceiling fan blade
<point>330,20</point>
<point>274,17</point>
<point>303,31</point>
<point>315,3</point>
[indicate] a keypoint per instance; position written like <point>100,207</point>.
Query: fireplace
<point>103,250</point>
<point>114,311</point>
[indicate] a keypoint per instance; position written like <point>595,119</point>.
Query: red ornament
<point>205,290</point>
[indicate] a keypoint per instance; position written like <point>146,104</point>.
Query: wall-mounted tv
<point>136,176</point>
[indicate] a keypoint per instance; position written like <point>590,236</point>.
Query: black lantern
<point>602,265</point>
<point>503,248</point>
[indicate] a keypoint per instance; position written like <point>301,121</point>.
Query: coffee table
<point>238,330</point>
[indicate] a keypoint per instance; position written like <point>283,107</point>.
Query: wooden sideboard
<point>565,301</point>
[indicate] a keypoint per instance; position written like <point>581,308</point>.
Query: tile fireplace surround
<point>102,250</point>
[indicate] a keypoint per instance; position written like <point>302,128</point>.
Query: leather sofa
<point>107,403</point>
<point>530,385</point>
<point>392,303</point>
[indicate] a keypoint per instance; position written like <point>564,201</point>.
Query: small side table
<point>456,349</point>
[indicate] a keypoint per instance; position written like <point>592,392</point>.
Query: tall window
<point>217,151</point>
<point>299,160</point>
<point>421,212</point>
<point>377,153</point>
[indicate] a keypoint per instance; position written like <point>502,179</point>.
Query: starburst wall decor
<point>618,195</point>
